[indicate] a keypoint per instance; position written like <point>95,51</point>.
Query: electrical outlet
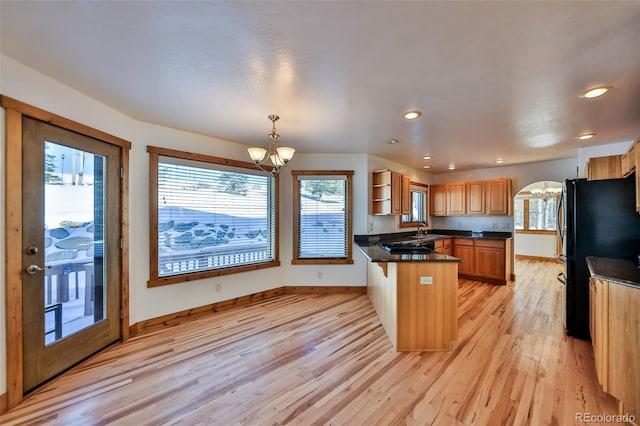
<point>426,280</point>
<point>218,287</point>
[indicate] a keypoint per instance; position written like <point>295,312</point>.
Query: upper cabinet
<point>475,197</point>
<point>499,199</point>
<point>604,167</point>
<point>456,204</point>
<point>491,197</point>
<point>438,200</point>
<point>617,166</point>
<point>390,193</point>
<point>406,195</point>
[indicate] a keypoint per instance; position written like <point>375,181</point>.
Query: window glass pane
<point>210,218</point>
<point>322,217</point>
<point>418,207</point>
<point>518,213</point>
<point>542,213</point>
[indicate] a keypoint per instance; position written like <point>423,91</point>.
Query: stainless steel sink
<point>409,246</point>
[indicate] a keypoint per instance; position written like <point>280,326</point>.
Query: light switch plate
<point>426,280</point>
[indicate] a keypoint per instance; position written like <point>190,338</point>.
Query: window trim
<point>296,206</point>
<point>526,229</point>
<point>154,280</point>
<point>415,224</point>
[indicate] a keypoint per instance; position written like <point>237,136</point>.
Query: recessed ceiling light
<point>426,167</point>
<point>427,157</point>
<point>412,115</point>
<point>499,161</point>
<point>452,167</point>
<point>392,141</point>
<point>585,136</point>
<point>596,92</point>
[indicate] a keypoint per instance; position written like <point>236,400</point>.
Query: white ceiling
<point>493,79</point>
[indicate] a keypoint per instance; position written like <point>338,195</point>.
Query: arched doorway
<point>535,217</point>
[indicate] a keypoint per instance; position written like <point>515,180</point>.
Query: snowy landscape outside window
<point>536,214</point>
<point>322,217</point>
<point>212,217</point>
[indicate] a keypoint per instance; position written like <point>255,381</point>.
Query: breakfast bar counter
<point>415,296</point>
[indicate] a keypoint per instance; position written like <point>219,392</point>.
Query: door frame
<point>14,112</point>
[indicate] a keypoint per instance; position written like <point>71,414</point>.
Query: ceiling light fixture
<point>585,136</point>
<point>452,167</point>
<point>595,92</point>
<point>499,161</point>
<point>412,115</point>
<point>279,156</point>
<point>391,141</point>
<point>426,167</point>
<point>427,157</point>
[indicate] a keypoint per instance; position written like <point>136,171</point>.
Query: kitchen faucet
<point>421,225</point>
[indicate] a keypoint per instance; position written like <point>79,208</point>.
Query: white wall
<point>34,88</point>
<point>535,245</point>
<point>331,275</point>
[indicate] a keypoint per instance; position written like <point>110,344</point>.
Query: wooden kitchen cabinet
<point>390,193</point>
<point>396,193</point>
<point>475,197</point>
<point>406,195</point>
<point>629,160</point>
<point>386,192</point>
<point>444,246</point>
<point>498,196</point>
<point>598,316</point>
<point>438,200</point>
<point>609,167</point>
<point>463,249</point>
<point>490,197</point>
<point>456,199</point>
<point>613,321</point>
<point>490,259</point>
<point>484,259</point>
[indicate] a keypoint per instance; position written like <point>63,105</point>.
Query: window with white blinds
<point>322,216</point>
<point>212,217</point>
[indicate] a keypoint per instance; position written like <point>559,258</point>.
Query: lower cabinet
<point>613,319</point>
<point>444,246</point>
<point>463,249</point>
<point>483,259</point>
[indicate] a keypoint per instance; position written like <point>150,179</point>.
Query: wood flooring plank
<point>326,359</point>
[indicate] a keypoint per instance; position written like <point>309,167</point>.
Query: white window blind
<point>212,216</point>
<point>322,217</point>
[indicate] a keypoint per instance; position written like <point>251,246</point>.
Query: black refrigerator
<point>599,220</point>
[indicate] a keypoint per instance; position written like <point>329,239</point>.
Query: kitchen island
<point>614,324</point>
<point>415,296</point>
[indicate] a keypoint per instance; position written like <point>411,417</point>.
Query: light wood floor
<point>310,359</point>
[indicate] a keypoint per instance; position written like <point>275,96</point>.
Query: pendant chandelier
<point>279,156</point>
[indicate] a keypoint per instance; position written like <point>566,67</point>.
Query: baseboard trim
<point>4,407</point>
<point>537,258</point>
<point>325,290</point>
<point>176,318</point>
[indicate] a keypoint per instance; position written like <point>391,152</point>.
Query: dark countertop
<point>375,253</point>
<point>432,234</point>
<point>368,244</point>
<point>619,271</point>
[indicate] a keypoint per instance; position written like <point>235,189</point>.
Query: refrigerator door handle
<point>562,278</point>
